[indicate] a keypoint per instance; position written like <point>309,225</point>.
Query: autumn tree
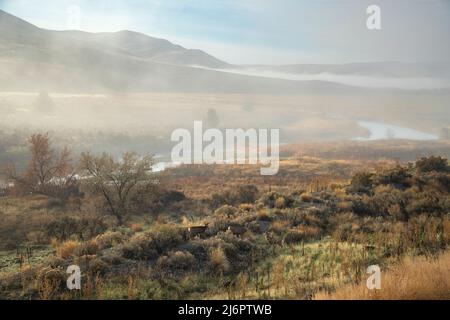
<point>117,182</point>
<point>48,172</point>
<point>46,165</point>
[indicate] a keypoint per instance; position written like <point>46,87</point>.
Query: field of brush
<point>309,232</point>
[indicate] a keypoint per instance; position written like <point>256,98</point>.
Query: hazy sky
<point>264,31</point>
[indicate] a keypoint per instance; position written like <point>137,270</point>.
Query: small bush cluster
<point>149,245</point>
<point>176,260</point>
<point>236,196</point>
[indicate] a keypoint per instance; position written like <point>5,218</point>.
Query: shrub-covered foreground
<point>296,241</point>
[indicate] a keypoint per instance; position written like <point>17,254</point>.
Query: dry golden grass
<point>67,249</point>
<point>413,279</point>
<point>309,231</point>
<point>312,174</point>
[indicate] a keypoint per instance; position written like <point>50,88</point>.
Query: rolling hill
<point>35,59</point>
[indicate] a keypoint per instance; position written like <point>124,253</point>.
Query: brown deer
<point>197,231</point>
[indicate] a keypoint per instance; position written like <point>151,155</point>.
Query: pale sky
<point>264,31</point>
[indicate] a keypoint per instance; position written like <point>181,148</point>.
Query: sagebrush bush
<point>177,260</point>
<point>306,197</point>
<point>343,232</point>
<point>226,210</point>
<point>50,282</point>
<point>56,262</point>
<point>113,257</point>
<point>280,226</point>
<point>68,249</point>
<point>245,207</point>
<point>150,244</point>
<point>264,215</point>
<point>301,234</point>
<point>218,224</point>
<point>399,176</point>
<point>109,239</point>
<point>438,164</point>
<point>269,199</point>
<point>280,203</point>
<point>218,260</point>
<point>165,237</point>
<point>92,265</point>
<point>87,248</point>
<point>246,193</point>
<point>83,228</point>
<point>362,182</point>
<point>139,247</point>
<point>236,196</point>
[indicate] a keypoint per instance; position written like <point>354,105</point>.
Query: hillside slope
<point>34,59</point>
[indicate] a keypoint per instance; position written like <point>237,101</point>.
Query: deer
<point>196,231</point>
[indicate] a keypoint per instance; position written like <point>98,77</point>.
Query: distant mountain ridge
<point>35,59</point>
<point>380,69</point>
<point>145,47</point>
<point>19,32</point>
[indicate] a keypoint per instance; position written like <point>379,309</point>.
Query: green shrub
<point>362,182</point>
<point>139,248</point>
<point>218,260</point>
<point>98,267</point>
<point>269,199</point>
<point>177,260</point>
<point>172,196</point>
<point>226,210</point>
<point>234,197</point>
<point>151,244</point>
<point>438,164</point>
<point>165,237</point>
<point>293,236</point>
<point>246,194</point>
<point>87,248</point>
<point>398,177</point>
<point>109,239</point>
<point>343,232</point>
<point>82,228</point>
